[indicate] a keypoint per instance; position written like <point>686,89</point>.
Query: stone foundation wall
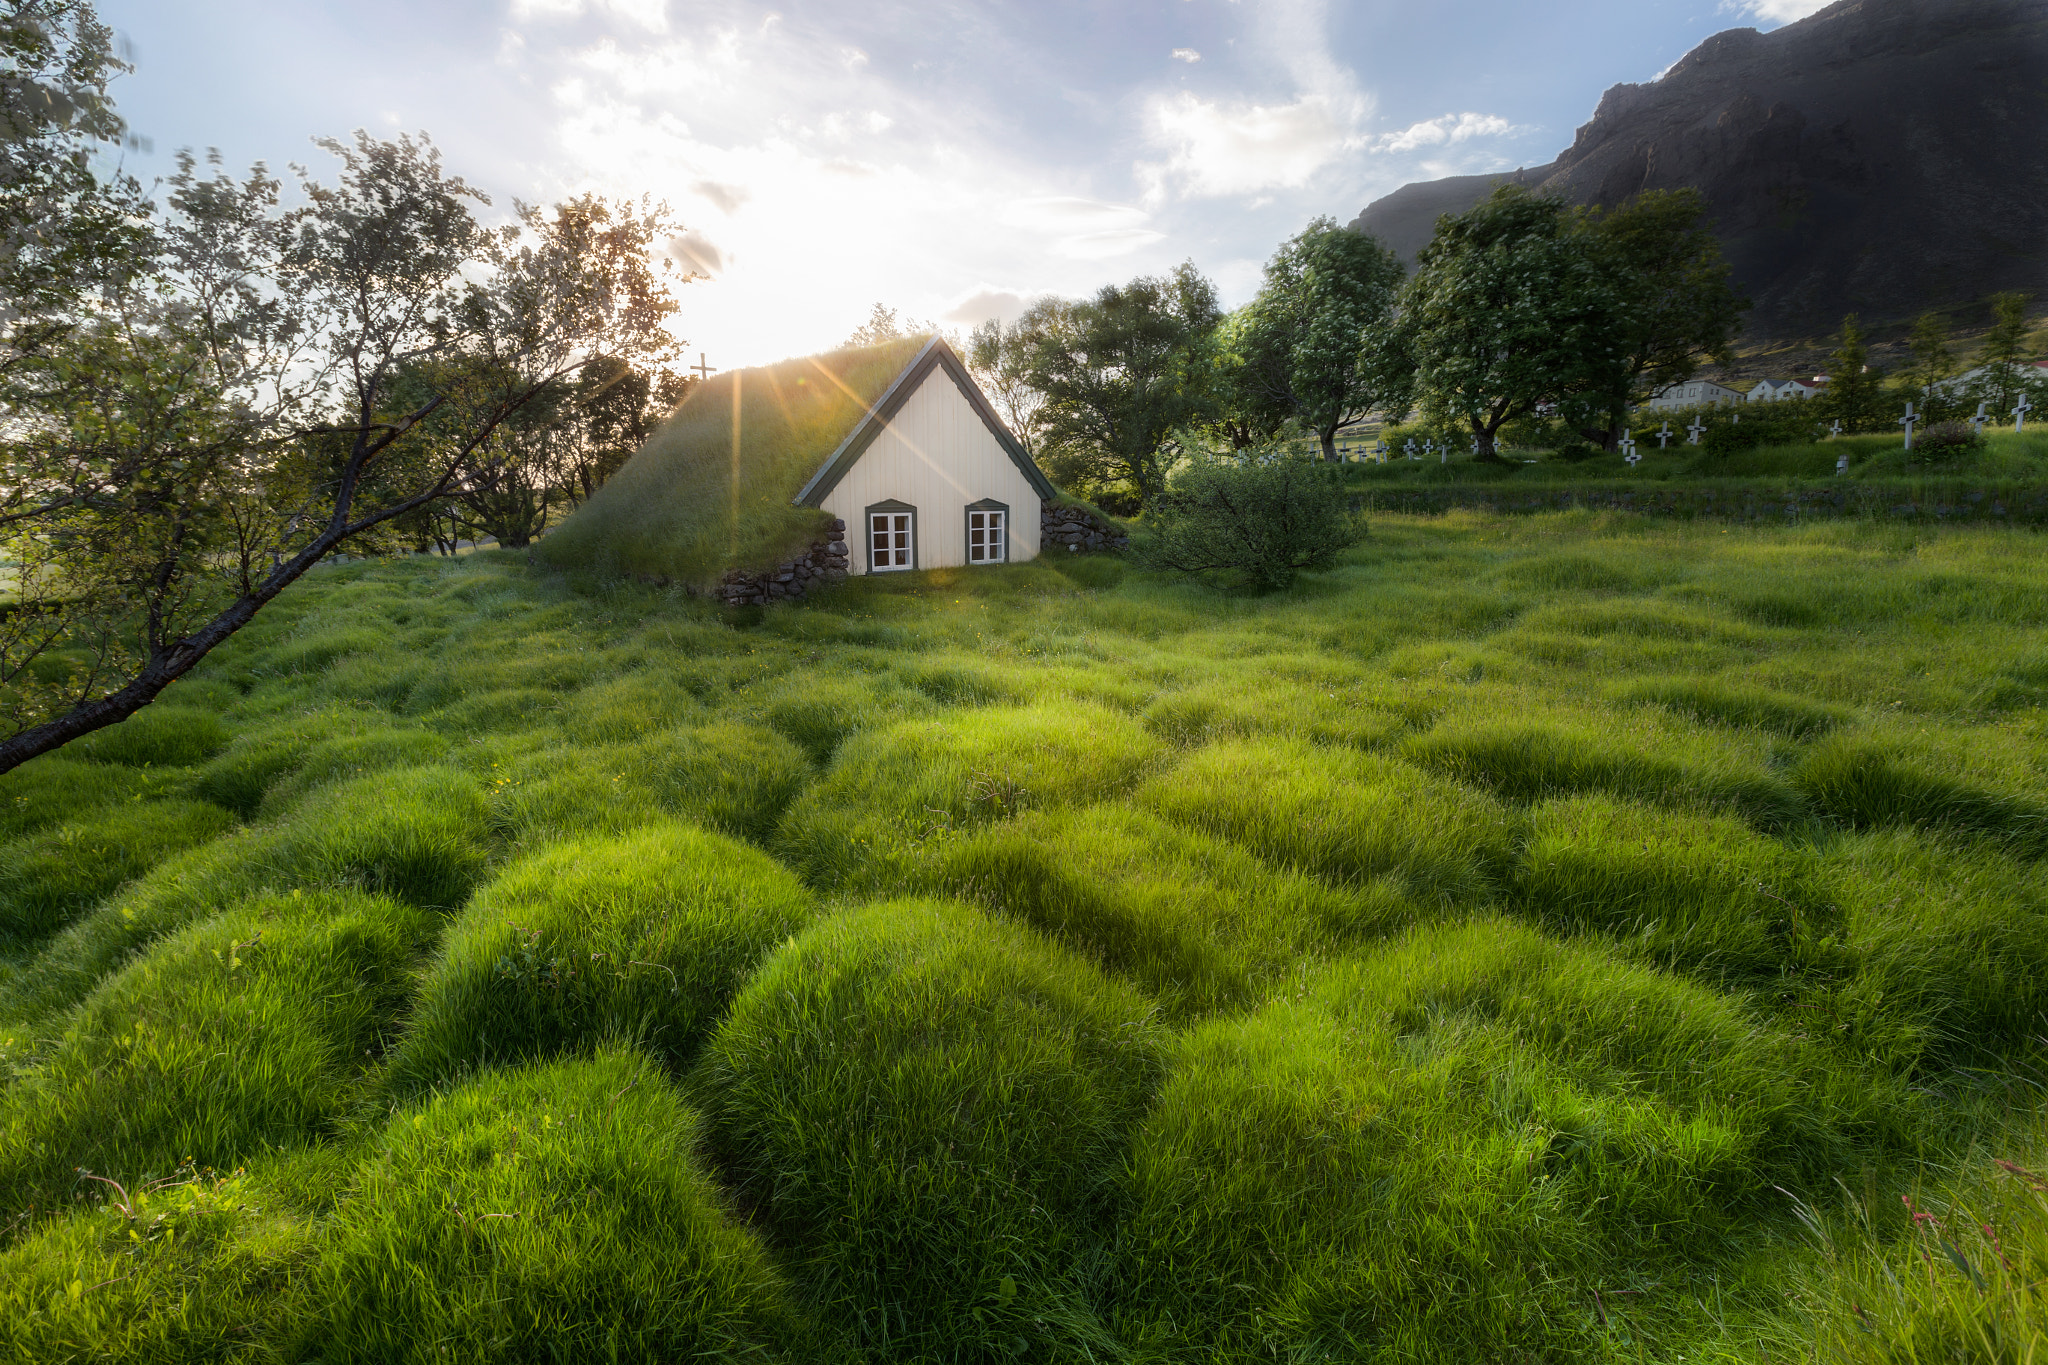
<point>824,562</point>
<point>1073,529</point>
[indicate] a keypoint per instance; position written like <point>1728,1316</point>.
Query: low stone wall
<point>1076,528</point>
<point>824,562</point>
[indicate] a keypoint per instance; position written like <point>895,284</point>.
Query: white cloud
<point>696,254</point>
<point>651,15</point>
<point>987,302</point>
<point>1186,54</point>
<point>726,198</point>
<point>1215,147</point>
<point>1444,130</point>
<point>1778,11</point>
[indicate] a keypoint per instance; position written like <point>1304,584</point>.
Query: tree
<point>999,357</point>
<point>2001,361</point>
<point>1933,361</point>
<point>1680,307</point>
<point>1855,388</point>
<point>1512,309</point>
<point>1300,349</point>
<point>1122,372</point>
<point>269,386</point>
<point>1265,514</point>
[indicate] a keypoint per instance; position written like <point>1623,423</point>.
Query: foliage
<point>1682,309</point>
<point>1944,440</point>
<point>1512,308</point>
<point>1316,345</point>
<point>999,356</point>
<point>263,385</point>
<point>1855,391</point>
<point>1265,515</point>
<point>1121,373</point>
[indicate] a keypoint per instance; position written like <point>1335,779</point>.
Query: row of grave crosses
<point>1977,422</point>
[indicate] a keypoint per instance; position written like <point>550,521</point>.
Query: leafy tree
<point>1855,391</point>
<point>1513,309</point>
<point>2002,360</point>
<point>1680,308</point>
<point>1302,350</point>
<point>270,385</point>
<point>1000,358</point>
<point>1121,373</point>
<point>1933,360</point>
<point>1265,514</point>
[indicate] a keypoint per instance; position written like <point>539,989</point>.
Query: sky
<point>951,159</point>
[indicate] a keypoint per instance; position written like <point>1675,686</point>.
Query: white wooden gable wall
<point>937,455</point>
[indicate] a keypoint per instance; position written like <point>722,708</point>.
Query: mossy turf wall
<point>711,489</point>
<point>1572,936</point>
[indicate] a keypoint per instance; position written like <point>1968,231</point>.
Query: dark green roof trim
<point>935,355</point>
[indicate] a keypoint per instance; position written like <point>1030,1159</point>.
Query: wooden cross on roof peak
<point>704,371</point>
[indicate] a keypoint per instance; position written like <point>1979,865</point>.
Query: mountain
<point>1881,157</point>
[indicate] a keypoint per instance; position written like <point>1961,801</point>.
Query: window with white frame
<point>890,545</point>
<point>986,540</point>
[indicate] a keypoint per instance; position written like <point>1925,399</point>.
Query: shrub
<point>1266,517</point>
<point>642,937</point>
<point>1195,921</point>
<point>930,1108</point>
<point>1701,892</point>
<point>553,1213</point>
<point>1946,440</point>
<point>161,736</point>
<point>47,878</point>
<point>1349,817</point>
<point>244,1032</point>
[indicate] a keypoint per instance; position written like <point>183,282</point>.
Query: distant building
<point>1778,390</point>
<point>1695,393</point>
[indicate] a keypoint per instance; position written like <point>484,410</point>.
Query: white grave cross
<point>1629,451</point>
<point>1835,429</point>
<point>1977,422</point>
<point>1695,431</point>
<point>2019,414</point>
<point>1411,447</point>
<point>1842,463</point>
<point>1664,436</point>
<point>1907,422</point>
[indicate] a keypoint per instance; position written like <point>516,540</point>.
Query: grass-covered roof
<point>712,489</point>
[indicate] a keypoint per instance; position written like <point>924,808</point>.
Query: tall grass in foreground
<point>556,1213</point>
<point>929,1108</point>
<point>640,939</point>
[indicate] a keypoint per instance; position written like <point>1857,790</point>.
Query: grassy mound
<point>418,835</point>
<point>642,937</point>
<point>1705,893</point>
<point>1349,817</point>
<point>929,1107</point>
<point>158,736</point>
<point>556,1213</point>
<point>1195,921</point>
<point>246,1032</point>
<point>1874,780</point>
<point>711,489</point>
<point>48,878</point>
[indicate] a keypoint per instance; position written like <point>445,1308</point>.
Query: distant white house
<point>1778,390</point>
<point>1695,393</point>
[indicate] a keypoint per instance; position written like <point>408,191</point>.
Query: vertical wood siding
<point>937,456</point>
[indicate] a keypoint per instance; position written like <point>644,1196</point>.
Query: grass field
<point>1568,937</point>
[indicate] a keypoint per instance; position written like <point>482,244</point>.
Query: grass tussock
<point>48,878</point>
<point>557,1212</point>
<point>929,1108</point>
<point>1354,819</point>
<point>247,1032</point>
<point>641,938</point>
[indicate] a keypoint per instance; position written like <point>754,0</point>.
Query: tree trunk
<point>1329,439</point>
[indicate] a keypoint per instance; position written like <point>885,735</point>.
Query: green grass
<point>641,938</point>
<point>713,488</point>
<point>931,1107</point>
<point>1551,937</point>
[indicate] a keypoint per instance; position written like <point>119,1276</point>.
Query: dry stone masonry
<point>825,562</point>
<point>1074,529</point>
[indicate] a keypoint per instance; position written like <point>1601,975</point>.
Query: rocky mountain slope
<point>1881,156</point>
